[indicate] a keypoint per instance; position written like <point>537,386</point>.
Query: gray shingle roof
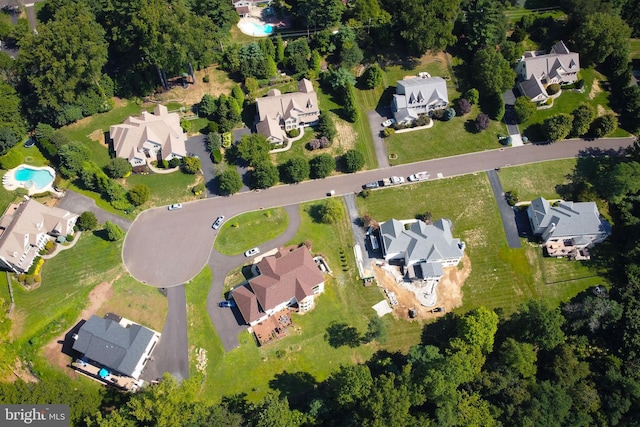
<point>568,219</point>
<point>421,241</point>
<point>112,345</point>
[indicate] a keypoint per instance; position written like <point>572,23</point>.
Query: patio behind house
<point>273,328</point>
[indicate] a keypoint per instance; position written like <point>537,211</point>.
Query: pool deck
<point>256,17</point>
<point>10,183</point>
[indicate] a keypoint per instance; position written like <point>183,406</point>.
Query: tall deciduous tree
<point>492,73</point>
<point>582,118</point>
<point>540,324</point>
<point>600,35</point>
<point>254,149</point>
<point>229,181</point>
<point>264,175</point>
<point>63,61</point>
<point>557,127</point>
<point>322,166</point>
<point>318,14</point>
<point>353,160</point>
<point>296,169</point>
<point>426,24</point>
<point>478,327</point>
<point>10,110</point>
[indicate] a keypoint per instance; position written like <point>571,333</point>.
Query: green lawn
<point>538,179</point>
<point>165,188</point>
<point>635,49</point>
<point>81,130</point>
<point>443,139</point>
<point>67,280</point>
<point>568,101</point>
<point>501,277</point>
<point>250,229</point>
<point>345,299</point>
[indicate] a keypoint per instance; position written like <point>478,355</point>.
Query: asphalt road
<point>166,249</point>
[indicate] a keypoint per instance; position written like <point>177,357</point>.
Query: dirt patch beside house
<point>217,85</point>
<point>345,137</point>
<point>449,291</point>
<point>595,89</point>
<point>53,350</point>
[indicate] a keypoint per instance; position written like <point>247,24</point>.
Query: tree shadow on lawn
<point>440,332</point>
<point>293,385</point>
<point>341,334</point>
<point>470,126</point>
<point>535,133</point>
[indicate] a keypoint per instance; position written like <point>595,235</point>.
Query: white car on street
<point>175,206</point>
<point>420,176</point>
<point>397,180</point>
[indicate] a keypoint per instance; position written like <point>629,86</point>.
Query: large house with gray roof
<point>567,229</point>
<point>537,70</point>
<point>418,95</point>
<point>148,137</point>
<point>119,347</point>
<point>25,229</point>
<point>423,249</point>
<point>286,279</point>
<point>279,113</point>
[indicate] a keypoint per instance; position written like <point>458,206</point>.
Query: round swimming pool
<point>40,177</point>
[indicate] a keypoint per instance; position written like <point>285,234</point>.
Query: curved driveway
<point>164,248</point>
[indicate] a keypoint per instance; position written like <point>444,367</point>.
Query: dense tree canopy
<point>426,24</point>
<point>599,36</point>
<point>61,66</point>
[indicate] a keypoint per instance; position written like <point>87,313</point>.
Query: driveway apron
<point>172,351</point>
<point>77,203</point>
<point>507,213</point>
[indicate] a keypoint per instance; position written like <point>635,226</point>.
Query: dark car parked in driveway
<point>228,303</point>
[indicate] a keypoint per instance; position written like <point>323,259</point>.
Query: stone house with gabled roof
<point>537,70</point>
<point>148,137</point>
<point>286,279</point>
<point>568,229</point>
<point>279,113</point>
<point>418,95</point>
<point>121,347</point>
<point>25,229</point>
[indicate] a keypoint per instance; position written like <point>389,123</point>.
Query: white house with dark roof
<point>418,95</point>
<point>537,70</point>
<point>149,137</point>
<point>423,249</point>
<point>122,348</point>
<point>568,229</point>
<point>25,229</point>
<point>279,113</point>
<point>286,279</point>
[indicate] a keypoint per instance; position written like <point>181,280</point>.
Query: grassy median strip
<point>250,229</point>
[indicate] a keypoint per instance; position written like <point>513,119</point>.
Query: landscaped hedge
<point>552,89</point>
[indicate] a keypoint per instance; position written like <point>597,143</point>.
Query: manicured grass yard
<point>443,139</point>
<point>568,101</point>
<point>67,280</point>
<point>165,188</point>
<point>81,130</point>
<point>250,229</point>
<point>500,277</point>
<point>538,179</point>
<point>635,48</point>
<point>280,365</point>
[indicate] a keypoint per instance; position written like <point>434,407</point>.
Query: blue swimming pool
<point>260,29</point>
<point>40,177</point>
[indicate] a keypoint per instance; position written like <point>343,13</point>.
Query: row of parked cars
<point>394,180</point>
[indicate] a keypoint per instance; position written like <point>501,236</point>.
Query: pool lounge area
<point>255,28</point>
<point>33,178</point>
